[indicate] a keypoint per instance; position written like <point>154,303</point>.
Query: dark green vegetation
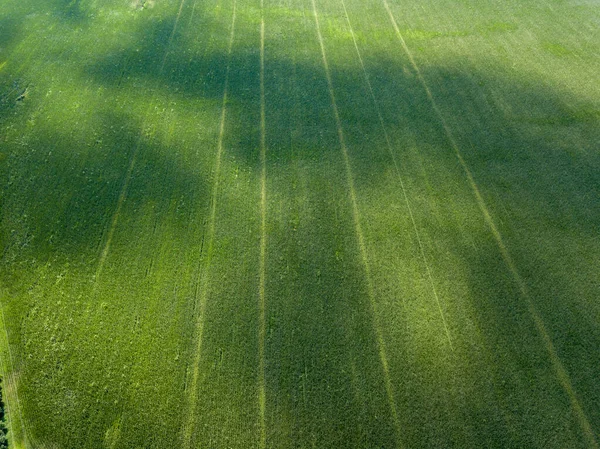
<point>3,428</point>
<point>331,224</point>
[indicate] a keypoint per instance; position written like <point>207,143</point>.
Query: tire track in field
<point>202,289</point>
<point>192,13</point>
<point>8,374</point>
<point>168,47</point>
<point>27,440</point>
<point>131,166</point>
<point>11,395</point>
<point>398,174</point>
<point>359,235</point>
<point>125,188</point>
<point>560,371</point>
<point>127,390</point>
<point>156,221</point>
<point>263,241</point>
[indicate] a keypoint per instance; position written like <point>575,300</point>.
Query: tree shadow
<point>70,11</point>
<point>9,35</point>
<point>62,191</point>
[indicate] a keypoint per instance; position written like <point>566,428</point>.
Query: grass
<point>299,223</point>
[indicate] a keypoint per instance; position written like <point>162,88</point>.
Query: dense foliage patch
<point>3,428</point>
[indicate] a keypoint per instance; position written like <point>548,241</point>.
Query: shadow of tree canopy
<point>68,10</point>
<point>532,151</point>
<point>502,137</point>
<point>9,34</point>
<point>89,181</point>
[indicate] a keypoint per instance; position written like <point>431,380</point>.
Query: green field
<point>300,223</point>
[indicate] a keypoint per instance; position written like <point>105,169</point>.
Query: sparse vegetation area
<point>299,223</point>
